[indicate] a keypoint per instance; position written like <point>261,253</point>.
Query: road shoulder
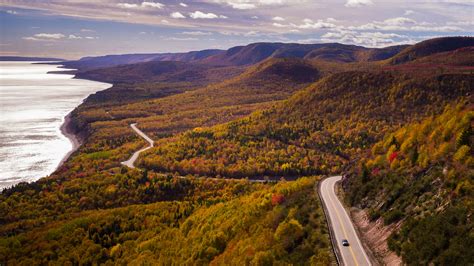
<point>372,235</point>
<point>335,247</point>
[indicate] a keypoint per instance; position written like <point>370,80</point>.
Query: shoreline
<point>65,128</point>
<point>75,140</point>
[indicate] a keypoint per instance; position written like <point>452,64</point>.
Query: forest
<point>422,173</point>
<point>400,133</point>
<point>244,223</point>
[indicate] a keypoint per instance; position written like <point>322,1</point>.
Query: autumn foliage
<point>277,199</point>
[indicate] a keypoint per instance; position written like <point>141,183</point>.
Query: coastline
<point>76,141</point>
<point>66,128</point>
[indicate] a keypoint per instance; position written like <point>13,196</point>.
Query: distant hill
<point>459,57</point>
<point>154,79</point>
<point>429,47</point>
<point>21,58</point>
<point>88,63</point>
<point>148,71</point>
<point>247,55</point>
<point>289,69</point>
<point>332,52</point>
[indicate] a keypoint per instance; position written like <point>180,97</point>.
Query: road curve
<point>342,227</point>
<point>134,157</point>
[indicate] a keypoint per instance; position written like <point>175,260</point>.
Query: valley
<point>395,122</point>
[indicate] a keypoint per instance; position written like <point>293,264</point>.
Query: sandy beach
<point>75,140</point>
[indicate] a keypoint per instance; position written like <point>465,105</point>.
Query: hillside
<point>286,216</point>
<point>429,47</point>
<point>315,131</point>
<point>462,57</point>
<point>272,80</point>
<point>160,72</point>
<point>422,174</point>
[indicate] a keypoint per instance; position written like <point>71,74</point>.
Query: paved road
<point>134,157</point>
<point>342,226</point>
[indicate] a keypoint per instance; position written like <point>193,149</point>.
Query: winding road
<point>341,226</point>
<point>134,157</point>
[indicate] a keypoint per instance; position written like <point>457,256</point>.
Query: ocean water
<point>33,105</point>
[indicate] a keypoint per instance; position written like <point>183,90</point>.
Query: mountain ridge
<point>245,55</point>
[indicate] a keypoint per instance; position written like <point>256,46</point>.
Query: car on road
<point>345,243</point>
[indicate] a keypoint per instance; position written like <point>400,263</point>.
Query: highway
<point>342,227</point>
<point>134,157</point>
<point>341,224</point>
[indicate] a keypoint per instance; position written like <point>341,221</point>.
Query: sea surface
<point>33,105</point>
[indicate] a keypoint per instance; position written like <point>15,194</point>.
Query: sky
<point>72,29</point>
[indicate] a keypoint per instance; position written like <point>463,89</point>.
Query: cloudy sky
<point>76,28</point>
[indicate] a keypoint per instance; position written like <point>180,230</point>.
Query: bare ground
<point>375,235</point>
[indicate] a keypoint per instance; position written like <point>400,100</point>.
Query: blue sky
<point>75,28</point>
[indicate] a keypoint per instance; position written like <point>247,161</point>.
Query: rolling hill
<point>429,47</point>
<point>315,131</point>
<point>247,55</point>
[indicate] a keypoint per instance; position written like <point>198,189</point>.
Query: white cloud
<point>45,37</point>
<point>309,24</point>
<point>461,23</point>
<point>181,39</point>
<point>12,12</point>
<point>358,3</point>
<point>252,33</point>
<point>405,24</point>
<point>87,30</point>
<point>177,15</point>
<point>142,5</point>
<point>436,28</point>
<point>278,19</point>
<point>399,21</point>
<point>196,33</point>
<point>183,5</point>
<point>242,6</point>
<point>372,39</point>
<point>153,4</point>
<point>279,25</point>
<point>252,4</point>
<point>127,5</point>
<point>165,21</point>
<point>74,37</point>
<point>201,15</point>
<point>255,17</point>
<point>55,36</point>
<point>408,12</point>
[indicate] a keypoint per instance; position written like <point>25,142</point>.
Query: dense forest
<point>244,223</point>
<point>402,132</point>
<point>313,132</point>
<point>423,173</point>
